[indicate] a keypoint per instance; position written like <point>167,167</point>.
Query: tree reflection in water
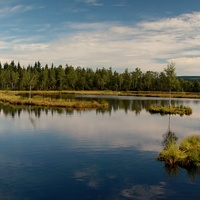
<point>16,110</point>
<point>193,173</point>
<point>135,106</point>
<point>132,104</point>
<point>169,137</point>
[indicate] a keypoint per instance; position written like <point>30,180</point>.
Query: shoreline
<point>193,95</point>
<point>14,98</point>
<point>17,98</point>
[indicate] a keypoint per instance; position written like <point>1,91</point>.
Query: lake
<point>94,154</point>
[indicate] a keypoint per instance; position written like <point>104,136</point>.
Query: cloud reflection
<point>89,176</point>
<point>146,192</point>
<point>115,129</point>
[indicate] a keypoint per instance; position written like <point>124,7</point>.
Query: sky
<point>122,34</point>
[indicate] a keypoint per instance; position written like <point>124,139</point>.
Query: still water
<point>93,154</point>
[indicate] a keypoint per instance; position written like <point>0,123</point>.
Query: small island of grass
<point>14,99</point>
<point>180,110</point>
<point>186,154</point>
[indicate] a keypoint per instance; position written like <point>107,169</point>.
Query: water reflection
<point>99,129</point>
<point>146,192</point>
<point>169,137</point>
<point>141,130</point>
<point>173,172</point>
<point>89,176</point>
<point>193,173</point>
<point>31,118</point>
<point>15,110</point>
<point>92,154</point>
<point>135,105</point>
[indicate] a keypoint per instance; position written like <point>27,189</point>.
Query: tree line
<point>37,77</point>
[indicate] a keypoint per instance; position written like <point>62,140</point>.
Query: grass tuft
<point>186,155</point>
<point>180,110</point>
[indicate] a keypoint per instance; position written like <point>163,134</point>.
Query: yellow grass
<point>13,98</point>
<point>121,93</point>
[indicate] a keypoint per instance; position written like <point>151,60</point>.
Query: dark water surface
<point>93,154</point>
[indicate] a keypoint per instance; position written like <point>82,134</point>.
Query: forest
<point>37,77</point>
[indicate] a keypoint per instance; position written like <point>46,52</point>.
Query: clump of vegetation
<point>186,154</point>
<point>49,102</point>
<point>180,110</point>
<point>191,147</point>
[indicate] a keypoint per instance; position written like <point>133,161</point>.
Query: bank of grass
<point>121,93</point>
<point>162,94</point>
<point>186,154</point>
<point>15,99</point>
<point>180,110</point>
<point>139,93</point>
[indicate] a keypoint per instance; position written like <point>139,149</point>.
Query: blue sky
<point>122,34</point>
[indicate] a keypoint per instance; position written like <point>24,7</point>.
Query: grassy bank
<point>121,93</point>
<point>15,99</point>
<point>186,154</point>
<point>180,110</point>
<point>139,93</point>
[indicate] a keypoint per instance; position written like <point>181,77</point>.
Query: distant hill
<point>189,78</point>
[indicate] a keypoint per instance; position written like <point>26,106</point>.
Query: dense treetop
<point>37,77</point>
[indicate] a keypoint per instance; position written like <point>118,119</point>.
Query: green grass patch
<point>186,154</point>
<point>14,99</point>
<point>180,110</point>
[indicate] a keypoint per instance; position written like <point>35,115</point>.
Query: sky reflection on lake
<point>101,129</point>
<point>110,129</point>
<point>59,154</point>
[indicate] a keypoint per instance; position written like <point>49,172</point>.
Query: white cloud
<point>31,47</point>
<point>91,2</point>
<point>20,8</point>
<point>10,10</point>
<point>149,45</point>
<point>141,45</point>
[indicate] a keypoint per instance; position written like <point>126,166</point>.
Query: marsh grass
<point>191,146</point>
<point>12,98</point>
<point>171,155</point>
<point>121,93</point>
<point>139,93</point>
<point>163,110</point>
<point>186,154</point>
